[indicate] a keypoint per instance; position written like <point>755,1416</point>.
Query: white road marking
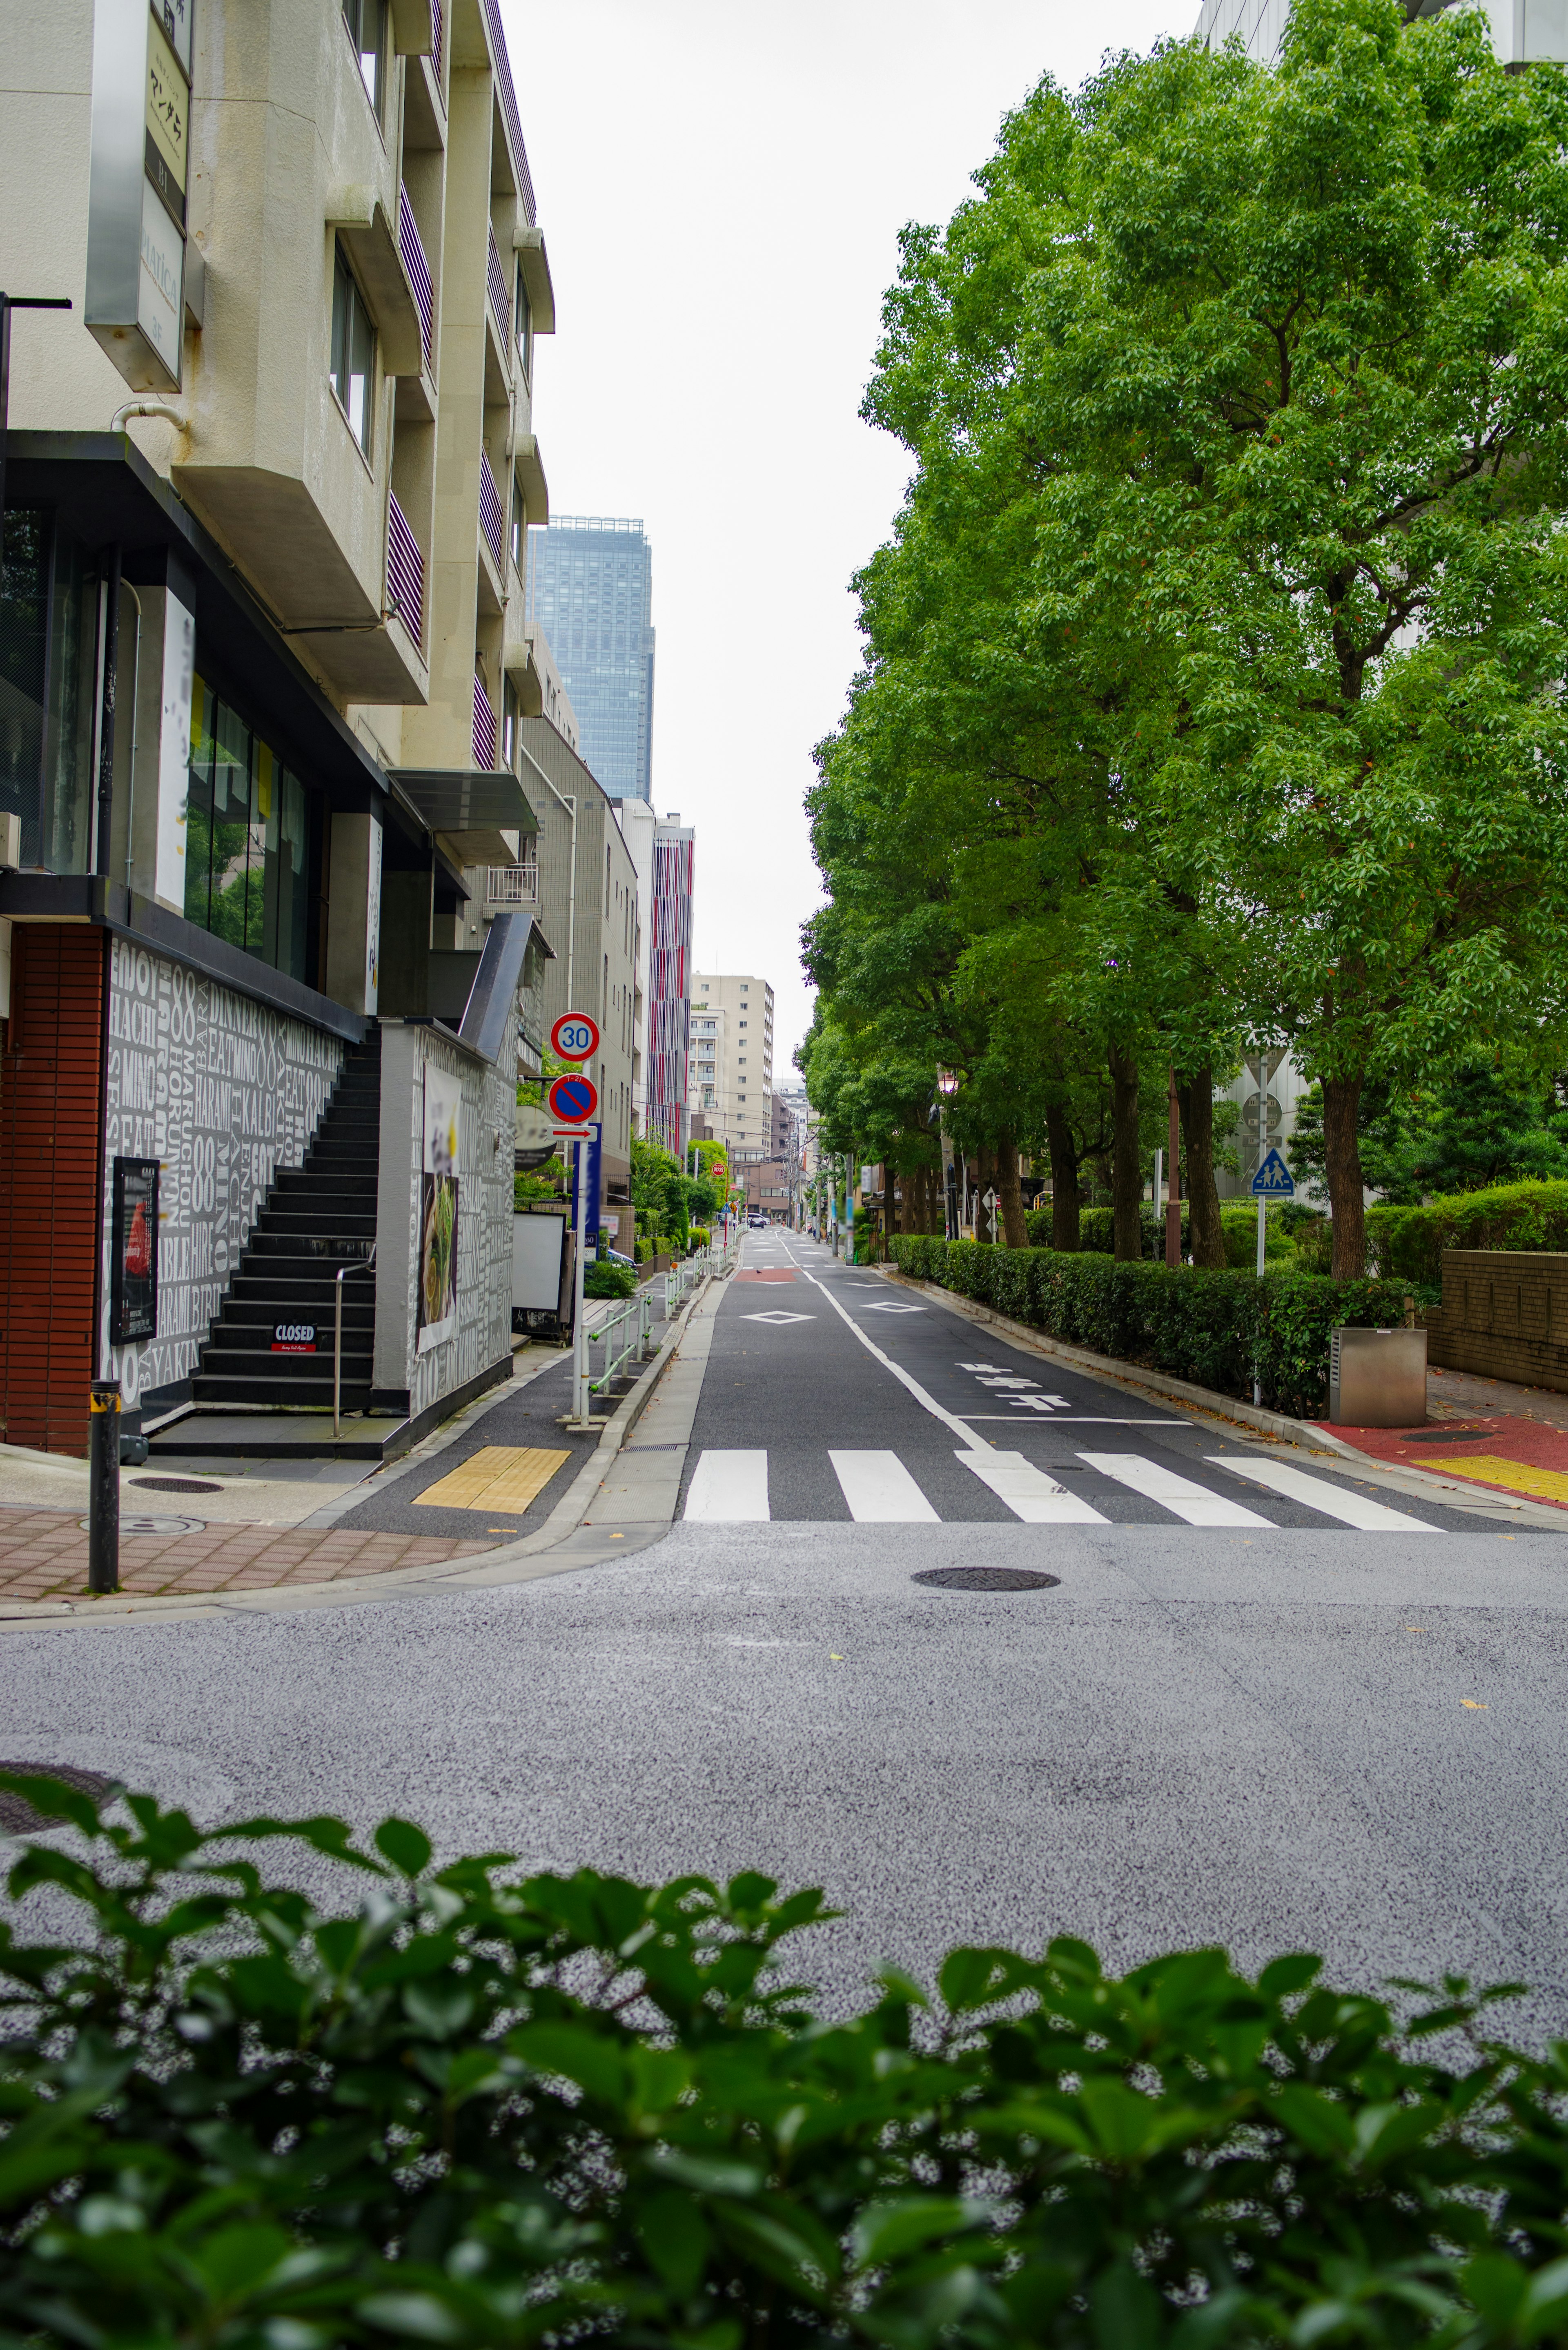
<point>729,1489</point>
<point>881,1491</point>
<point>893,1309</point>
<point>1333,1501</point>
<point>927,1402</point>
<point>1028,1493</point>
<point>778,1319</point>
<point>1179,1494</point>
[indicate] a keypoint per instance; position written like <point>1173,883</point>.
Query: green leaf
<point>406,1846</point>
<point>1124,2310</point>
<point>676,2237</point>
<point>575,2052</point>
<point>885,2231</point>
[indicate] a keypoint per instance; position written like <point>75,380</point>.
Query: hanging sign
<point>133,1245</point>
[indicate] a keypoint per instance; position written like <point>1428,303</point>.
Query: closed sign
<point>294,1338</point>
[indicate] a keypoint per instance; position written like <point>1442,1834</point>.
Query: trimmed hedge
<point>1210,1328</point>
<point>484,2110</point>
<point>1238,1219</point>
<point>1408,1243</point>
<point>602,1279</point>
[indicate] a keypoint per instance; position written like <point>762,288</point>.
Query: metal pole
<point>1173,1182</point>
<point>337,1357</point>
<point>580,1408</point>
<point>103,1485</point>
<point>1263,1152</point>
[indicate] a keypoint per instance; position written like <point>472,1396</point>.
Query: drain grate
<point>987,1579</point>
<point>175,1485</point>
<point>19,1817</point>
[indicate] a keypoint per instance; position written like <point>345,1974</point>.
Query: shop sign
<point>138,179</point>
<point>294,1338</point>
<point>134,1253</point>
<point>168,124</point>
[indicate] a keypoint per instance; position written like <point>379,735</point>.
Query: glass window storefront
<point>249,840</point>
<point>49,655</point>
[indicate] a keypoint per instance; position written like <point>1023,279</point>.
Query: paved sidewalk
<point>1505,1452</point>
<point>44,1555</point>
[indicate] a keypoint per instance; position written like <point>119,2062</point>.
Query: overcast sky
<point>720,185</point>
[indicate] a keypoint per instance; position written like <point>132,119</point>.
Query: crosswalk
<point>731,1488</point>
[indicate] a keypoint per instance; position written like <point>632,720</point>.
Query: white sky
<point>720,185</point>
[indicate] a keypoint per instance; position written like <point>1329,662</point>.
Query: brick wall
<point>1505,1315</point>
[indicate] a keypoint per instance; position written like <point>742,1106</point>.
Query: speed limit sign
<point>574,1037</point>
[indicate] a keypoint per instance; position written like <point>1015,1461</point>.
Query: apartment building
<point>1523,32</point>
<point>731,1061</point>
<point>267,490</point>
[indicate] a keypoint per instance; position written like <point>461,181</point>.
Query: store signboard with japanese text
<point>137,184</point>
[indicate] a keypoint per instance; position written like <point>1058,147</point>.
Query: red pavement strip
<point>770,1275</point>
<point>1524,1444</point>
<point>44,1555</point>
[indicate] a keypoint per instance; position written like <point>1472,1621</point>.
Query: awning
<point>472,807</point>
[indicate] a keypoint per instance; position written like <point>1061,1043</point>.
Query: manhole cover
<point>174,1485</point>
<point>17,1815</point>
<point>154,1525</point>
<point>987,1579</point>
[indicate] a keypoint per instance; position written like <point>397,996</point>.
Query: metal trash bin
<point>1377,1379</point>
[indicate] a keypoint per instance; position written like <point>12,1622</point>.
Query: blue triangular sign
<point>1274,1180</point>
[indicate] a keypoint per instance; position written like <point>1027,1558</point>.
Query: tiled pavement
<point>44,1555</point>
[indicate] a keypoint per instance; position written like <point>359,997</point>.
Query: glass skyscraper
<point>590,587</point>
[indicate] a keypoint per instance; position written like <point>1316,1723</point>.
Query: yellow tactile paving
<point>496,1477</point>
<point>1552,1484</point>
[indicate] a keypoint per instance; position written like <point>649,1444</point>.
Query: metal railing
<point>502,64</point>
<point>634,1326</point>
<point>512,885</point>
<point>500,299</point>
<point>410,245</point>
<point>435,40</point>
<point>484,726</point>
<point>490,509</point>
<point>405,572</point>
<point>695,1268</point>
<point>364,1267</point>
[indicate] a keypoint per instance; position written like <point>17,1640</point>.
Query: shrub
<point>1408,1243</point>
<point>1208,1327</point>
<point>602,1279</point>
<point>490,2110</point>
<point>700,1237</point>
<point>1239,1223</point>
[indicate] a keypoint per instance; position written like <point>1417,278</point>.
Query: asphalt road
<point>1292,1733</point>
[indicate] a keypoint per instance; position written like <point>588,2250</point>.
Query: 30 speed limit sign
<point>574,1037</point>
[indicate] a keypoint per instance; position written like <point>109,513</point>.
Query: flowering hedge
<point>1210,1328</point>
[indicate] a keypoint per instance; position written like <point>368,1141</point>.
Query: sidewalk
<point>44,1555</point>
<point>1513,1439</point>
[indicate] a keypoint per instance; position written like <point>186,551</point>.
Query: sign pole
<point>1173,1185</point>
<point>1262,1142</point>
<point>580,1413</point>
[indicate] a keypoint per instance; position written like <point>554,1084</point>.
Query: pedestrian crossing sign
<point>1274,1180</point>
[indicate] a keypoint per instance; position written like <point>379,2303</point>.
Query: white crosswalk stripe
<point>1196,1503</point>
<point>730,1489</point>
<point>881,1491</point>
<point>1028,1491</point>
<point>1333,1501</point>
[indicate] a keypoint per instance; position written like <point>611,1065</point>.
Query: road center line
<point>927,1402</point>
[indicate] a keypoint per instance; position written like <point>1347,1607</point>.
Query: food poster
<point>133,1264</point>
<point>438,1210</point>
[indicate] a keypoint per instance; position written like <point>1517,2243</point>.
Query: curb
<point>1303,1433</point>
<point>477,1569</point>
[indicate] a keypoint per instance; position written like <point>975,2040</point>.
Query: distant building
<point>731,1061</point>
<point>667,1022</point>
<point>1523,32</point>
<point>590,588</point>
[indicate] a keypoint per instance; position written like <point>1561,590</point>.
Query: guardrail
<point>634,1324</point>
<point>692,1269</point>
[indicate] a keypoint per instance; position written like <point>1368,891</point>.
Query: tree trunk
<point>1015,1232</point>
<point>1195,1099</point>
<point>985,1168</point>
<point>1342,1155</point>
<point>1126,1185</point>
<point>1064,1180</point>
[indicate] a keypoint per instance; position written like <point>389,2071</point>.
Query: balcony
<point>405,573</point>
<point>484,726</point>
<point>500,299</point>
<point>490,514</point>
<point>512,885</point>
<point>411,247</point>
<point>508,99</point>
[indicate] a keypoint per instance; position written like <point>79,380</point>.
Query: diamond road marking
<point>894,1309</point>
<point>778,1319</point>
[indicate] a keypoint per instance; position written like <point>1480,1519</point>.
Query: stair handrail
<point>363,1266</point>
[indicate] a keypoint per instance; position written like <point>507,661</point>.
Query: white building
<point>729,1069</point>
<point>1523,32</point>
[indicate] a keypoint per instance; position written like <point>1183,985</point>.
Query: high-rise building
<point>1523,32</point>
<point>590,586</point>
<point>667,1027</point>
<point>731,1059</point>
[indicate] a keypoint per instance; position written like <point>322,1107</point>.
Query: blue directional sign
<point>1274,1180</point>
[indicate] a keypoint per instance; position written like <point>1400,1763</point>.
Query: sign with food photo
<point>134,1253</point>
<point>438,1210</point>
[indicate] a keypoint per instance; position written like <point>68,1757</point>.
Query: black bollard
<point>103,1482</point>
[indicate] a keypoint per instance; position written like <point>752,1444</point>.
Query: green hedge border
<point>1209,1328</point>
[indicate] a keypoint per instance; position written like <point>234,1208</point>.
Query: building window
<point>353,375</point>
<point>523,313</point>
<point>367,23</point>
<point>252,839</point>
<point>48,667</point>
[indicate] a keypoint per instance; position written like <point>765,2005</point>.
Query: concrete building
<point>590,587</point>
<point>731,1059</point>
<point>1523,32</point>
<point>262,632</point>
<point>663,852</point>
<point>585,894</point>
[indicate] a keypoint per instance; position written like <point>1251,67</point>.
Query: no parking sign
<point>573,1100</point>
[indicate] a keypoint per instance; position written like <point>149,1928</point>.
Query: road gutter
<point>1229,1413</point>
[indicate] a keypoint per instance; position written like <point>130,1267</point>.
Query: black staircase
<point>318,1217</point>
